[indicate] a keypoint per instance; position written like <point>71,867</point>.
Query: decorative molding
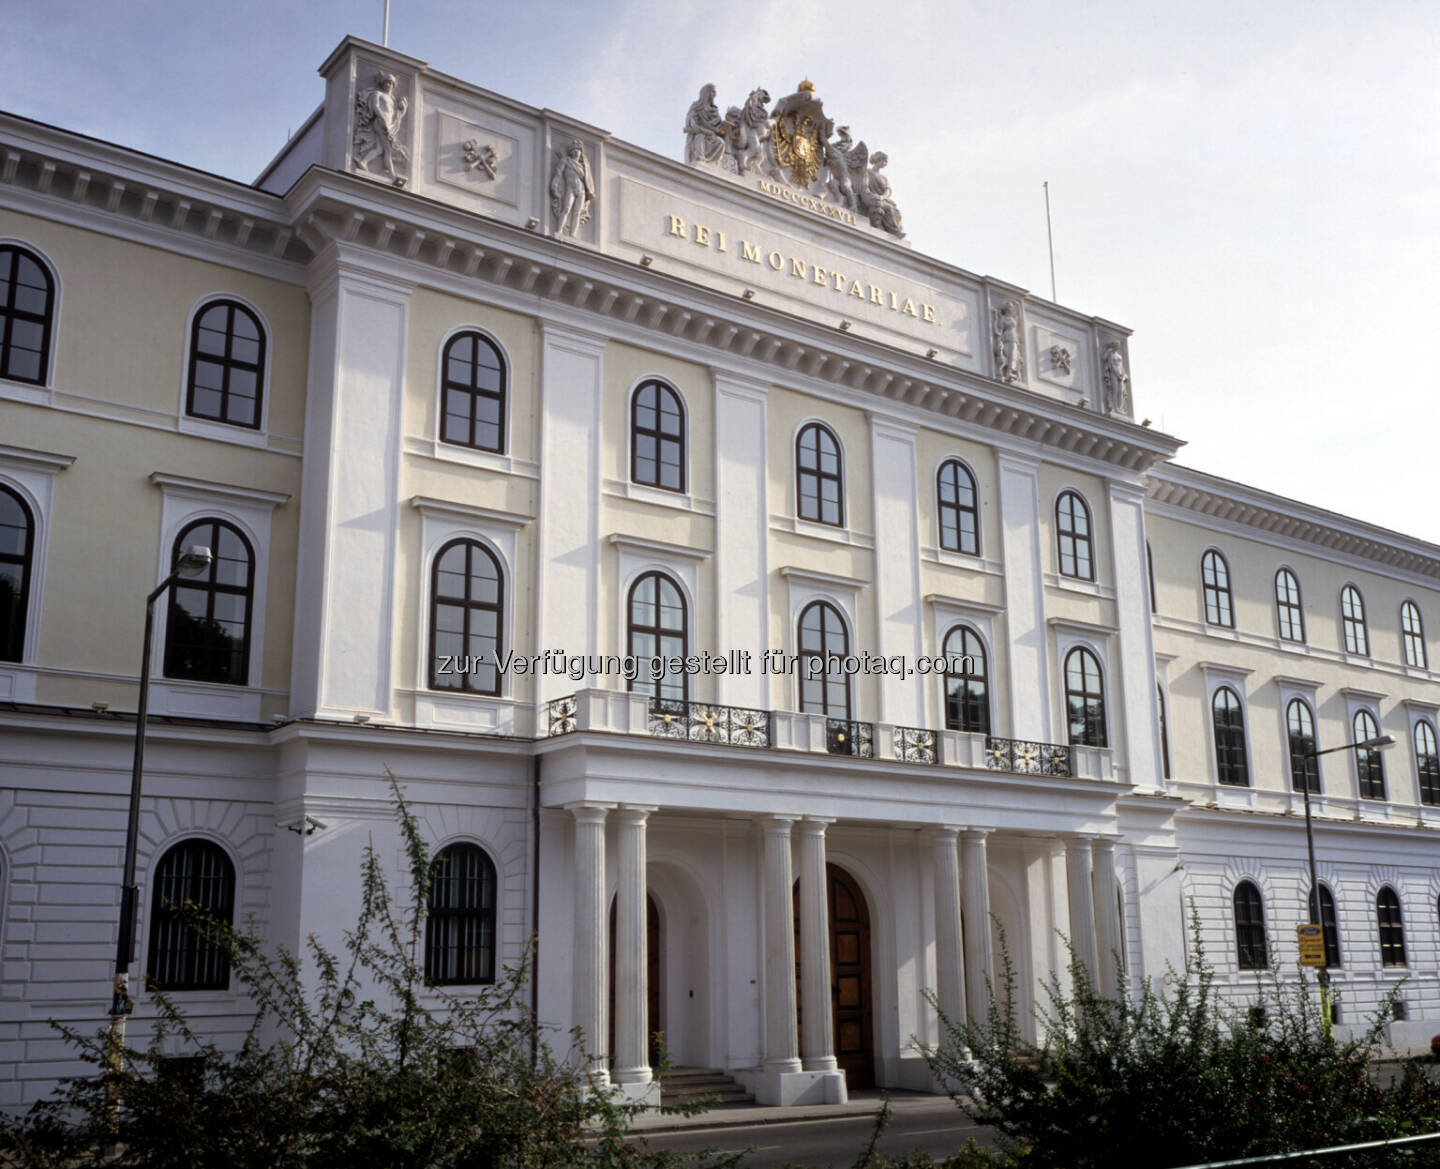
<point>38,460</point>
<point>823,579</point>
<point>427,505</point>
<point>663,547</point>
<point>182,485</point>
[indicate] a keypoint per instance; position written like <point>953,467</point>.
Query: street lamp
<point>1378,743</point>
<point>193,560</point>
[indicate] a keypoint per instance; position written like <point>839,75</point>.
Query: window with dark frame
<point>460,918</point>
<point>1228,717</point>
<point>658,630</point>
<point>227,365</point>
<point>819,482</point>
<point>207,629</point>
<point>1084,699</point>
<point>472,391</point>
<point>195,873</point>
<point>1072,533</point>
<point>823,635</point>
<point>467,602</point>
<point>1369,762</point>
<point>27,313</point>
<point>1300,729</point>
<point>17,553</point>
<point>1250,928</point>
<point>1412,631</point>
<point>1150,575</point>
<point>1391,927</point>
<point>1289,614</point>
<point>1427,762</point>
<point>1325,918</point>
<point>1164,733</point>
<point>1215,581</point>
<point>657,437</point>
<point>1352,618</point>
<point>967,694</point>
<point>958,508</point>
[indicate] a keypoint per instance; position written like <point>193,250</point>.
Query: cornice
<point>184,485</point>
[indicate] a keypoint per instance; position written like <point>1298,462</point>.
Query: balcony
<point>749,728</point>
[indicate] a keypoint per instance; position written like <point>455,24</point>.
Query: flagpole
<point>385,34</point>
<point>1049,235</point>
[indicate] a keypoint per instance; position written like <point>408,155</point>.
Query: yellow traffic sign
<point>1312,945</point>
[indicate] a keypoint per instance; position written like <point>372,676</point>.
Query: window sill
<point>222,431</point>
<point>29,392</point>
<point>445,452</point>
<point>1087,588</point>
<point>827,532</point>
<point>176,696</point>
<point>964,560</point>
<point>478,713</point>
<point>680,501</point>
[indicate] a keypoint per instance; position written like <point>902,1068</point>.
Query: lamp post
<point>193,560</point>
<point>1378,743</point>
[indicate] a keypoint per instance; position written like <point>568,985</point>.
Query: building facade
<point>478,410</point>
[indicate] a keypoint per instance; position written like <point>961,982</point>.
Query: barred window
<point>1072,531</point>
<point>1229,720</point>
<point>1289,614</point>
<point>472,389</point>
<point>460,918</point>
<point>27,313</point>
<point>1300,729</point>
<point>657,437</point>
<point>207,630</point>
<point>467,600</point>
<point>1250,927</point>
<point>1392,928</point>
<point>227,365</point>
<point>1412,632</point>
<point>194,874</point>
<point>819,481</point>
<point>956,500</point>
<point>1427,762</point>
<point>1324,917</point>
<point>658,630</point>
<point>1215,580</point>
<point>1369,763</point>
<point>1352,618</point>
<point>967,697</point>
<point>826,688</point>
<point>1084,699</point>
<point>1164,733</point>
<point>17,553</point>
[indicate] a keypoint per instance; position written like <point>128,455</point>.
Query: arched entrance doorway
<point>653,1021</point>
<point>849,921</point>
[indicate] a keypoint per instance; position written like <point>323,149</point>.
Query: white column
<point>1107,918</point>
<point>979,965</point>
<point>1136,654</point>
<point>949,951</point>
<point>898,617</point>
<point>818,1039</point>
<point>1026,642</point>
<point>1082,903</point>
<point>632,1030</point>
<point>781,1049</point>
<point>589,957</point>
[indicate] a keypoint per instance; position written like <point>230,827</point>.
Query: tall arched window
<point>1164,733</point>
<point>1352,618</point>
<point>1369,765</point>
<point>27,312</point>
<point>819,482</point>
<point>1412,632</point>
<point>1084,699</point>
<point>1250,927</point>
<point>823,635</point>
<point>460,917</point>
<point>467,600</point>
<point>657,437</point>
<point>658,630</point>
<point>194,873</point>
<point>1215,581</point>
<point>17,554</point>
<point>472,388</point>
<point>1324,917</point>
<point>1072,532</point>
<point>1427,762</point>
<point>227,364</point>
<point>1392,928</point>
<point>1289,614</point>
<point>1300,730</point>
<point>1150,575</point>
<point>207,631</point>
<point>967,692</point>
<point>1228,718</point>
<point>957,504</point>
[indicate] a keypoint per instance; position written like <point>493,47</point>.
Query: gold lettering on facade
<point>927,313</point>
<point>775,260</point>
<point>819,275</point>
<point>720,238</point>
<point>702,235</point>
<point>877,295</point>
<point>839,282</point>
<point>856,290</point>
<point>909,309</point>
<point>749,251</point>
<point>677,226</point>
<point>797,267</point>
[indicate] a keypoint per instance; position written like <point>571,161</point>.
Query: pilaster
<point>1027,643</point>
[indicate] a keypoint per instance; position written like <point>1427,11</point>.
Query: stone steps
<point>711,1085</point>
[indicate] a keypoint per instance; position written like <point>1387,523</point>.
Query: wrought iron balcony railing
<point>1027,757</point>
<point>915,745</point>
<point>708,722</point>
<point>560,715</point>
<point>845,737</point>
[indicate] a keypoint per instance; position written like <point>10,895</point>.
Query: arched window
<point>27,312</point>
<point>1289,615</point>
<point>957,505</point>
<point>1215,581</point>
<point>1392,928</point>
<point>1427,762</point>
<point>819,482</point>
<point>1164,733</point>
<point>1352,617</point>
<point>1324,917</point>
<point>1250,927</point>
<point>1412,632</point>
<point>1084,699</point>
<point>1369,765</point>
<point>658,630</point>
<point>467,599</point>
<point>657,437</point>
<point>823,635</point>
<point>1300,729</point>
<point>967,693</point>
<point>194,873</point>
<point>17,554</point>
<point>472,388</point>
<point>1150,575</point>
<point>207,631</point>
<point>1229,720</point>
<point>1072,531</point>
<point>460,917</point>
<point>227,364</point>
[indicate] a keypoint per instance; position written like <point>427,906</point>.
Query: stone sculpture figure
<point>1009,360</point>
<point>845,165</point>
<point>1060,358</point>
<point>875,197</point>
<point>378,114</point>
<point>705,130</point>
<point>749,130</point>
<point>478,157</point>
<point>572,189</point>
<point>1116,380</point>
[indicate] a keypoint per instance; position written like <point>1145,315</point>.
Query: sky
<point>1253,188</point>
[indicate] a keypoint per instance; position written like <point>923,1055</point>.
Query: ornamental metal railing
<point>845,737</point>
<point>708,722</point>
<point>1027,757</point>
<point>915,745</point>
<point>560,715</point>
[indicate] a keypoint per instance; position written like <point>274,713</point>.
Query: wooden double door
<point>852,1016</point>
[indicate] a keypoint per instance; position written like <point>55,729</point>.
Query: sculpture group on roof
<point>795,143</point>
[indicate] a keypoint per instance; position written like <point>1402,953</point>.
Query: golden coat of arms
<point>799,132</point>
